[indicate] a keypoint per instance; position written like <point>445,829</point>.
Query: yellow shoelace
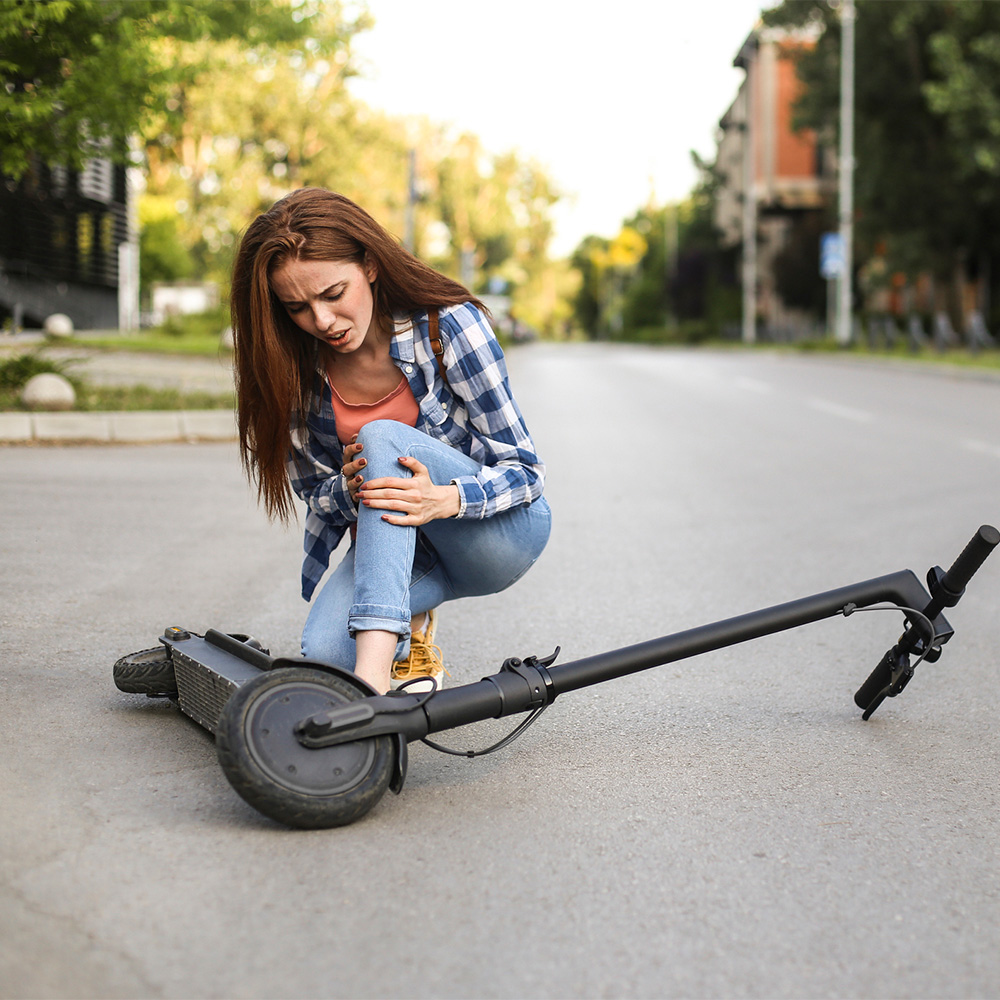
<point>425,660</point>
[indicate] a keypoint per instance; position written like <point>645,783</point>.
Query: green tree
<point>704,288</point>
<point>237,102</point>
<point>927,126</point>
<point>162,254</point>
<point>81,76</point>
<point>680,284</point>
<point>587,301</point>
<point>609,271</point>
<point>496,209</point>
<point>647,299</point>
<point>220,151</point>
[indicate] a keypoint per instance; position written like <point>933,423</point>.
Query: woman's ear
<point>370,269</point>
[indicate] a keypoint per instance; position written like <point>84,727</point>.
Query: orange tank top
<point>351,417</point>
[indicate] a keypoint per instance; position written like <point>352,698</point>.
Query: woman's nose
<point>323,316</point>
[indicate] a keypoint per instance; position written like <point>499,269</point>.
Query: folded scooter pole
<point>902,588</point>
<point>532,684</point>
<point>476,702</point>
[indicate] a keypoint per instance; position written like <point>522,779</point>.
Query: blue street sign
<point>831,255</point>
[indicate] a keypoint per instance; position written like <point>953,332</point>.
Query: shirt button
<point>409,369</point>
<point>444,406</point>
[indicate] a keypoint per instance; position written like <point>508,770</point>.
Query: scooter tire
<point>149,672</point>
<point>273,772</point>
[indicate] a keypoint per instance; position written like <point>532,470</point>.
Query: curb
<point>119,428</point>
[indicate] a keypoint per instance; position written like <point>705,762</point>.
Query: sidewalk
<point>120,368</point>
<point>134,428</point>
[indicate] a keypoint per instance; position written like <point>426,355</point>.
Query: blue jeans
<point>393,572</point>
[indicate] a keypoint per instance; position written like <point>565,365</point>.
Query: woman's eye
<point>333,298</point>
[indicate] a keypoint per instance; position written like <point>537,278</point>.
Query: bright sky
<point>608,96</point>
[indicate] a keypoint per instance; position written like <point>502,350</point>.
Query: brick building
<point>789,178</point>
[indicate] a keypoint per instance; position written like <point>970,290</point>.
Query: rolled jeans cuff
<point>379,618</point>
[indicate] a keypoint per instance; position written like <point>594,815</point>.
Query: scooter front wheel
<point>293,784</point>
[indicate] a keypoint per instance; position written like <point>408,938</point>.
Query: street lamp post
<point>749,276</point>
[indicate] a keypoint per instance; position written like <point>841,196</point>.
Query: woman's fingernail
<point>362,463</point>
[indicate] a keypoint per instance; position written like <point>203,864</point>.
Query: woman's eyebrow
<point>325,291</point>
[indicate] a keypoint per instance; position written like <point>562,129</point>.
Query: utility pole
<point>749,277</point>
<point>846,194</point>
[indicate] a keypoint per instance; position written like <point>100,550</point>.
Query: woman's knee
<point>382,442</point>
<point>390,434</point>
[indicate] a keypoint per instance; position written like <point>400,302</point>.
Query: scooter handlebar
<point>970,559</point>
<point>952,584</point>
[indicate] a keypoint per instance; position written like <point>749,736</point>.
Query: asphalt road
<point>724,826</point>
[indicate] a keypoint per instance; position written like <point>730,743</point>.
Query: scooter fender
<point>402,754</point>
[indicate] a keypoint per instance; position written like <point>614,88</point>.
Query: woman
<point>373,387</point>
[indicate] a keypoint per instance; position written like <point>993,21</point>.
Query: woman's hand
<point>415,500</point>
<point>352,467</point>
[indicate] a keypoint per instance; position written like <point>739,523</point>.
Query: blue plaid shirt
<point>473,412</point>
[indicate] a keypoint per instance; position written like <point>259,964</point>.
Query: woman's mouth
<point>336,338</point>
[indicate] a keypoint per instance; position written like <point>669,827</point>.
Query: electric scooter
<point>313,746</point>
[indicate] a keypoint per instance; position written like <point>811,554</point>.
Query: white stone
<point>59,325</point>
<point>48,391</point>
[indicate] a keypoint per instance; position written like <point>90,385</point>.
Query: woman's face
<point>331,300</point>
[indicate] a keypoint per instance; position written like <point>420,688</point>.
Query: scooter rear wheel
<point>149,672</point>
<point>292,784</point>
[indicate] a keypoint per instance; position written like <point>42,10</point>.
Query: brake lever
<point>897,663</point>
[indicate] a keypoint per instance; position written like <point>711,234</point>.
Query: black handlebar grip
<point>971,558</point>
<point>878,680</point>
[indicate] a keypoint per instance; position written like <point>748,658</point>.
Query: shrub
<point>17,370</point>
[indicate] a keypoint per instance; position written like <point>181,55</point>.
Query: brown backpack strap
<point>436,346</point>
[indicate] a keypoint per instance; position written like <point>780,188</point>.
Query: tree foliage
<point>221,151</point>
<point>84,75</point>
<point>232,104</point>
<point>237,129</point>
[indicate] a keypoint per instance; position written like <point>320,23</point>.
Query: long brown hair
<point>275,362</point>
